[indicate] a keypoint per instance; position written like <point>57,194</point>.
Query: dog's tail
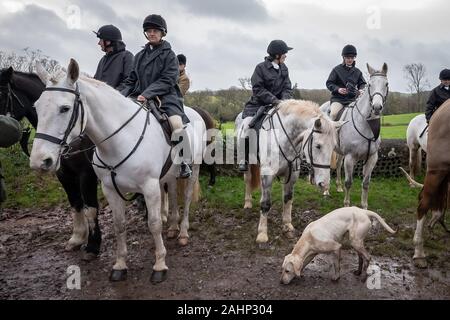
<point>372,214</point>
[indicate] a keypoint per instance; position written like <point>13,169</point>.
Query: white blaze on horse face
<point>54,110</point>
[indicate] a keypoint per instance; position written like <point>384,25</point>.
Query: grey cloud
<point>249,11</point>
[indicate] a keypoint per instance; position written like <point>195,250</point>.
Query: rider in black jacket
<point>438,95</point>
<point>345,82</point>
<point>270,85</point>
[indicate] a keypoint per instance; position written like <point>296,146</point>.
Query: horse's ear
<point>9,73</point>
<point>318,124</point>
<point>338,124</point>
<point>42,73</point>
<point>384,69</point>
<point>370,69</point>
<point>73,72</point>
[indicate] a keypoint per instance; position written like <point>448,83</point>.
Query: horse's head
<point>318,145</point>
<point>5,83</point>
<point>61,117</point>
<point>378,89</point>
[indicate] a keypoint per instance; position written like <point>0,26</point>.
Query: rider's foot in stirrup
<point>243,166</point>
<point>185,170</point>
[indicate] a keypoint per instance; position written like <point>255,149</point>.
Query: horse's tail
<point>436,196</point>
<point>181,190</point>
<point>255,179</point>
<point>210,122</point>
<point>415,161</point>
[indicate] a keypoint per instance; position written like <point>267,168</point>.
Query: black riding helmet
<point>445,74</point>
<point>155,21</point>
<point>109,32</point>
<point>277,47</point>
<point>349,50</point>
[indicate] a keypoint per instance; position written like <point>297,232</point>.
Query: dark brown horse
<point>18,93</point>
<point>434,194</point>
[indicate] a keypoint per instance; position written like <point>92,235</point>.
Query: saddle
<point>162,118</point>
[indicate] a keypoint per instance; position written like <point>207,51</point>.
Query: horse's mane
<point>305,109</point>
<point>28,80</point>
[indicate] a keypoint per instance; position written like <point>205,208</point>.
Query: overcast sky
<point>225,39</point>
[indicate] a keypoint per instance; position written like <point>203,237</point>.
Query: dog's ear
<point>296,263</point>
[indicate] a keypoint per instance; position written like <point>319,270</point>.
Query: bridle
<point>378,93</point>
<point>298,155</point>
<point>11,95</point>
<point>77,111</point>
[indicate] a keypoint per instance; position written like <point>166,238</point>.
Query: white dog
<point>325,235</point>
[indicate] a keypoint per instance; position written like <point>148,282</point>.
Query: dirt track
<point>220,262</point>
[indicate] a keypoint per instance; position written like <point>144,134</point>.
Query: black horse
<point>18,93</point>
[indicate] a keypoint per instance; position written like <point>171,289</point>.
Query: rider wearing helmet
<point>116,64</point>
<point>345,82</point>
<point>270,85</point>
<point>439,94</point>
<point>155,75</point>
<point>183,81</point>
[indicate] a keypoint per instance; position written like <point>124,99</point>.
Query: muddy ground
<point>220,262</point>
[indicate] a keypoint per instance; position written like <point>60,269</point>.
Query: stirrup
<point>185,171</point>
<point>243,166</point>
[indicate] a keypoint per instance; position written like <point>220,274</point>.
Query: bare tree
<point>417,83</point>
<point>25,62</point>
<point>246,83</point>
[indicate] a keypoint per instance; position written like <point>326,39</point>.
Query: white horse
<point>416,139</point>
<point>293,131</point>
<point>357,141</point>
<point>77,105</point>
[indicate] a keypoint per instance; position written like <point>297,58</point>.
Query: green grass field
<point>394,126</point>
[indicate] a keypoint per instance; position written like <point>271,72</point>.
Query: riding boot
<point>185,169</point>
<point>243,164</point>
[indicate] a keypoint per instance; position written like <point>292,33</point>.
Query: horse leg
<point>266,204</point>
<point>152,196</point>
<point>349,164</point>
<point>71,184</point>
<point>367,173</point>
<point>248,190</point>
<point>117,205</point>
<point>174,216</point>
<point>89,191</point>
<point>430,189</point>
<point>164,203</point>
<point>339,160</point>
<point>212,175</point>
<point>188,192</point>
<point>414,168</point>
<point>288,191</point>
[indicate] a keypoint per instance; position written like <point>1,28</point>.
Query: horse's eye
<point>64,109</point>
<point>318,146</point>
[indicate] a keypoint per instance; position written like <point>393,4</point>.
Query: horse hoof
<point>357,273</point>
<point>158,276</point>
<point>118,275</point>
<point>335,279</point>
<point>73,247</point>
<point>171,234</point>
<point>164,219</point>
<point>340,190</point>
<point>420,263</point>
<point>88,256</point>
<point>290,234</point>
<point>183,241</point>
<point>263,246</point>
<point>247,211</point>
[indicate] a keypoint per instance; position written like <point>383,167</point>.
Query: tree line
<point>226,104</point>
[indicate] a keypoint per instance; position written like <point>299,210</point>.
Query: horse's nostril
<point>47,163</point>
<point>321,184</point>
